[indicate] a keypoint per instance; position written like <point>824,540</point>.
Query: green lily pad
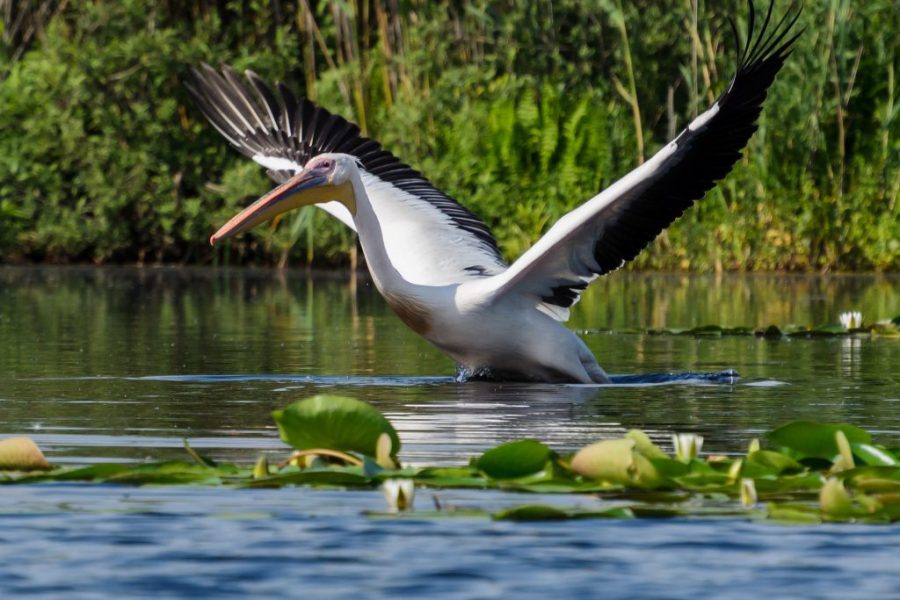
<point>737,331</point>
<point>830,329</point>
<point>531,512</point>
<point>789,484</point>
<point>323,477</point>
<point>669,467</point>
<point>874,455</point>
<point>794,513</point>
<point>857,477</point>
<point>451,477</point>
<point>514,460</point>
<point>776,461</point>
<point>816,439</point>
<point>545,512</point>
<point>874,485</point>
<point>170,472</point>
<point>334,423</point>
<point>163,473</point>
<point>885,329</point>
<point>705,331</point>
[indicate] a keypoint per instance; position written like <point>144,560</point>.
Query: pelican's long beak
<point>293,193</point>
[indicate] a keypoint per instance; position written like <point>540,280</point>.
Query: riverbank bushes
<point>520,109</point>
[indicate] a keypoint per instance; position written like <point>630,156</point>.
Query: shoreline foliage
<point>521,110</point>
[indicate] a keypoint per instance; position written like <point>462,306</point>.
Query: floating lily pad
<point>169,472</point>
<point>335,423</point>
<point>825,472</point>
<point>705,330</point>
<point>794,513</point>
<point>858,477</point>
<point>831,329</point>
<point>531,512</point>
<point>323,477</point>
<point>816,439</point>
<point>874,455</point>
<point>545,512</point>
<point>514,460</point>
<point>775,461</point>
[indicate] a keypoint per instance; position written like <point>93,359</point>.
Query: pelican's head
<point>325,178</point>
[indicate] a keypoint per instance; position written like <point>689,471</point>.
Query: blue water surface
<point>101,365</point>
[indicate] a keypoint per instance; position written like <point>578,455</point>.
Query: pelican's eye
<point>326,165</point>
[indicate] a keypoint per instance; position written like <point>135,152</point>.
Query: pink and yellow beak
<point>302,189</point>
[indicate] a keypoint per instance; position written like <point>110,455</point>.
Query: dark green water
<point>123,364</point>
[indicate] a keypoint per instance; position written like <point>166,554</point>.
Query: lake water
<point>123,364</point>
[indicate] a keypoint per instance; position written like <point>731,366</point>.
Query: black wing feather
<point>703,156</point>
<point>255,122</point>
<point>635,210</point>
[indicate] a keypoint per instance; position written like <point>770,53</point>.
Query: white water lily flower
<point>399,493</point>
<point>851,319</point>
<point>687,445</point>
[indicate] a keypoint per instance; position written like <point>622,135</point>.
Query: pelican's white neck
<point>372,239</point>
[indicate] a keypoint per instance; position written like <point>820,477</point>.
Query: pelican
<point>435,263</point>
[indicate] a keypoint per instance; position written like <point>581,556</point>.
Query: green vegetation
<point>882,328</point>
<point>520,109</point>
<point>815,472</point>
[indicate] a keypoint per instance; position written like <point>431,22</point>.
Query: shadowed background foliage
<point>521,109</point>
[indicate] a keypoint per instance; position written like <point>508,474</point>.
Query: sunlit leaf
<point>873,455</point>
<point>777,462</point>
<point>334,422</point>
<point>514,459</point>
<point>816,439</point>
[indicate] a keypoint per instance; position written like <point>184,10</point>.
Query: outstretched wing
<point>613,227</point>
<point>282,133</point>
